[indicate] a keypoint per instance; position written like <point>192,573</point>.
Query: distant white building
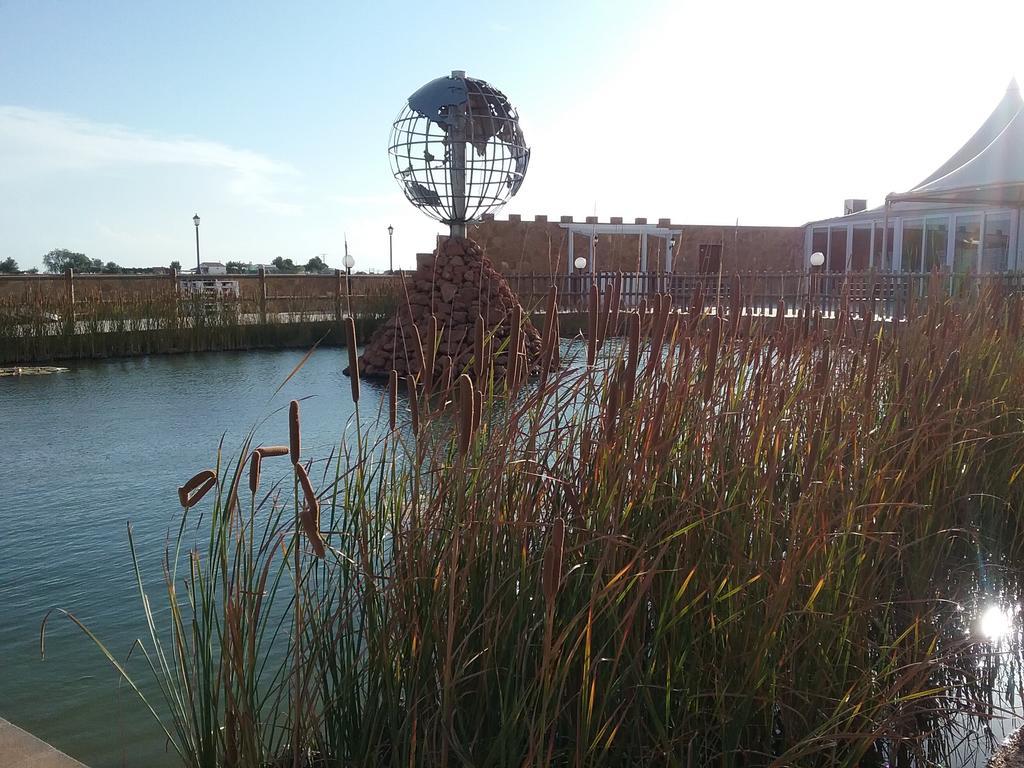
<point>212,268</point>
<point>965,217</point>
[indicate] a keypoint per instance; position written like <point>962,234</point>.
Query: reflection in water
<point>995,623</point>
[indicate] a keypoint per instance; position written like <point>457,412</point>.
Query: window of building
<point>936,238</point>
<point>837,250</point>
<point>995,251</point>
<point>860,257</point>
<point>913,244</point>
<point>966,243</point>
<point>882,261</point>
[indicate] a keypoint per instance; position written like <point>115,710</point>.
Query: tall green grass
<point>707,540</point>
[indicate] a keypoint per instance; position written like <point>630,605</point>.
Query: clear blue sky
<point>119,120</point>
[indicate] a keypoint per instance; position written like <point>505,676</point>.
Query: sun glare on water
<point>995,622</point>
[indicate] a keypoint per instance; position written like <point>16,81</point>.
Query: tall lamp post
<point>391,248</point>
<point>195,220</point>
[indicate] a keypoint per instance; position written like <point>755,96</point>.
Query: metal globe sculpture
<point>458,151</point>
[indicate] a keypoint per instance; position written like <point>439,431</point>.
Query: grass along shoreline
<point>766,547</point>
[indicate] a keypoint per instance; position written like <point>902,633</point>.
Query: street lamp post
<point>195,220</point>
<point>391,248</point>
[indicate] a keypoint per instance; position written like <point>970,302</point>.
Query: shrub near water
<point>727,541</point>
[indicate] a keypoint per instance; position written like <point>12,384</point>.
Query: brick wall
<point>541,245</point>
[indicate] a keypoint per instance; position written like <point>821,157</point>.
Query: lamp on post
<point>349,262</point>
<point>391,248</point>
<point>195,220</point>
<point>580,262</point>
<point>817,262</point>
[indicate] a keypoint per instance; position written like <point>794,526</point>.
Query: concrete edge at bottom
<point>20,749</point>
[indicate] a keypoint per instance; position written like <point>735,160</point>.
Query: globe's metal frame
<point>457,150</point>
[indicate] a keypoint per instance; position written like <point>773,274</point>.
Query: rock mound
<point>456,308</point>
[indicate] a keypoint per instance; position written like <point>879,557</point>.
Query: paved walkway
<point>20,749</point>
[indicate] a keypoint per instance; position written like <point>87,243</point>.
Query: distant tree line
<point>59,260</point>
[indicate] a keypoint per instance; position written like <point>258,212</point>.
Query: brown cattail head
<point>254,471</point>
<point>294,435</point>
<point>193,491</point>
<point>393,399</point>
<point>616,304</point>
<point>553,559</point>
<point>309,515</point>
<point>822,371</point>
<point>632,354</point>
<point>268,451</point>
<point>353,357</point>
<point>467,406</point>
<point>711,363</point>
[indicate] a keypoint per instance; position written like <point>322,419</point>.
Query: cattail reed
<point>871,372</point>
<point>554,555</point>
<point>514,343</point>
<point>478,408</point>
<point>606,314</point>
<point>429,353</point>
<point>393,399</point>
<point>592,329</point>
<point>479,342</point>
<point>193,491</point>
<point>414,411</point>
<point>735,302</point>
<point>353,357</point>
<point>711,357</point>
<point>294,434</point>
<point>467,418</point>
<point>309,515</point>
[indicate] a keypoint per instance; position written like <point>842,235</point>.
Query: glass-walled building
<point>965,217</point>
<point>920,239</point>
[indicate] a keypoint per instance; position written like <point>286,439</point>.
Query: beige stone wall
<point>540,245</point>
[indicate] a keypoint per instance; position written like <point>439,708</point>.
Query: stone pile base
<point>435,333</point>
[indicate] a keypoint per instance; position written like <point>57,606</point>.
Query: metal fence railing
<point>883,294</point>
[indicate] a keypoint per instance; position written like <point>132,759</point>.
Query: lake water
<point>90,449</point>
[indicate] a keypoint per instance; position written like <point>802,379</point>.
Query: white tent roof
<point>994,124</point>
<point>992,175</point>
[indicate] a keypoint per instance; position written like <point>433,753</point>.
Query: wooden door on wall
<point>710,258</point>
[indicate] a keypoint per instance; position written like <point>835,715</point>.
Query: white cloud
<point>34,142</point>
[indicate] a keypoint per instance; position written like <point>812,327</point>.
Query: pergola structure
<point>592,230</point>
